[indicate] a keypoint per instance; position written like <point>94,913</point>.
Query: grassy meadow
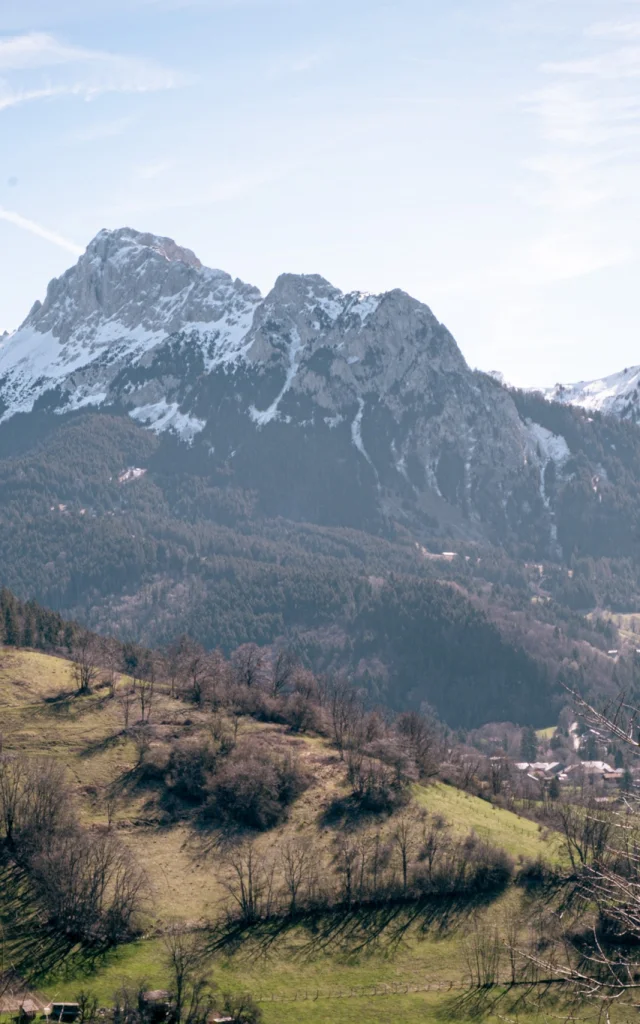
<point>368,967</point>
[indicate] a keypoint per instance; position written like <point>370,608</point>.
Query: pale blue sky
<point>484,155</point>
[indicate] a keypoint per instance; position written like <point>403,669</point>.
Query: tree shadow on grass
<point>62,697</point>
<point>99,746</point>
<point>33,949</point>
<point>71,704</point>
<point>349,932</point>
<point>507,1002</point>
<point>348,813</point>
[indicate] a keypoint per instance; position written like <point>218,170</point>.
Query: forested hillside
<point>152,556</point>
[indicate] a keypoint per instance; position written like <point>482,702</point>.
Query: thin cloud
<point>616,64</point>
<point>587,112</point>
<point>154,169</point>
<point>40,230</point>
<point>224,4</point>
<point>298,65</point>
<point>614,30</point>
<point>103,130</point>
<point>38,49</point>
<point>72,71</point>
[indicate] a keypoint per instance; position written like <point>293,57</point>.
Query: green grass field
<point>520,837</point>
<point>546,734</point>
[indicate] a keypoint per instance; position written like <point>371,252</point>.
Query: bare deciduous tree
<point>196,672</point>
<point>185,957</point>
<point>219,675</point>
<point>175,656</point>
<point>586,829</point>
<point>12,792</point>
<point>405,836</point>
<point>348,866</point>
<point>90,885</point>
<point>142,738</point>
<point>346,714</point>
<point>126,700</point>
<point>248,665</point>
<point>110,803</point>
<point>146,693</point>
<point>111,661</point>
<point>295,863</point>
<point>242,1008</point>
<point>87,1006</point>
<point>250,884</point>
<point>84,661</point>
<point>423,741</point>
<point>433,841</point>
<point>284,668</point>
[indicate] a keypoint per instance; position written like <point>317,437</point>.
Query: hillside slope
<point>187,870</point>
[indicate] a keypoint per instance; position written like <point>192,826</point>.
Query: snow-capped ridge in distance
<point>617,394</point>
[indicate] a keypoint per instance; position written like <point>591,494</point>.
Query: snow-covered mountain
<point>115,309</point>
<point>338,408</point>
<point>617,395</point>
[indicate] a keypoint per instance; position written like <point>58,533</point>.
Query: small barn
<point>18,1000</point>
<point>156,1002</point>
<point>29,1010</point>
<point>66,1012</point>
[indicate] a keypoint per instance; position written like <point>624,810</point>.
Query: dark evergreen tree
<point>528,744</point>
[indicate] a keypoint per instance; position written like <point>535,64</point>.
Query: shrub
<point>242,1008</point>
<point>300,713</point>
<point>379,775</point>
<point>377,787</point>
<point>190,767</point>
<point>155,764</point>
<point>536,874</point>
<point>255,788</point>
<point>489,869</point>
<point>465,868</point>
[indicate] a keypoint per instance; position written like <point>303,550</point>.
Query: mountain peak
<point>134,277</point>
<point>108,244</point>
<point>128,293</point>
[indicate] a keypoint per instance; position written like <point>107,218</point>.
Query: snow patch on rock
<point>548,447</point>
<point>356,434</point>
<point>163,415</point>
<point>363,304</point>
<point>618,394</point>
<point>551,446</point>
<point>262,417</point>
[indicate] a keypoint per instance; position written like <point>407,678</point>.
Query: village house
<point>540,769</point>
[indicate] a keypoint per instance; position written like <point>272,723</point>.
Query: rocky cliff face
<point>340,409</point>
